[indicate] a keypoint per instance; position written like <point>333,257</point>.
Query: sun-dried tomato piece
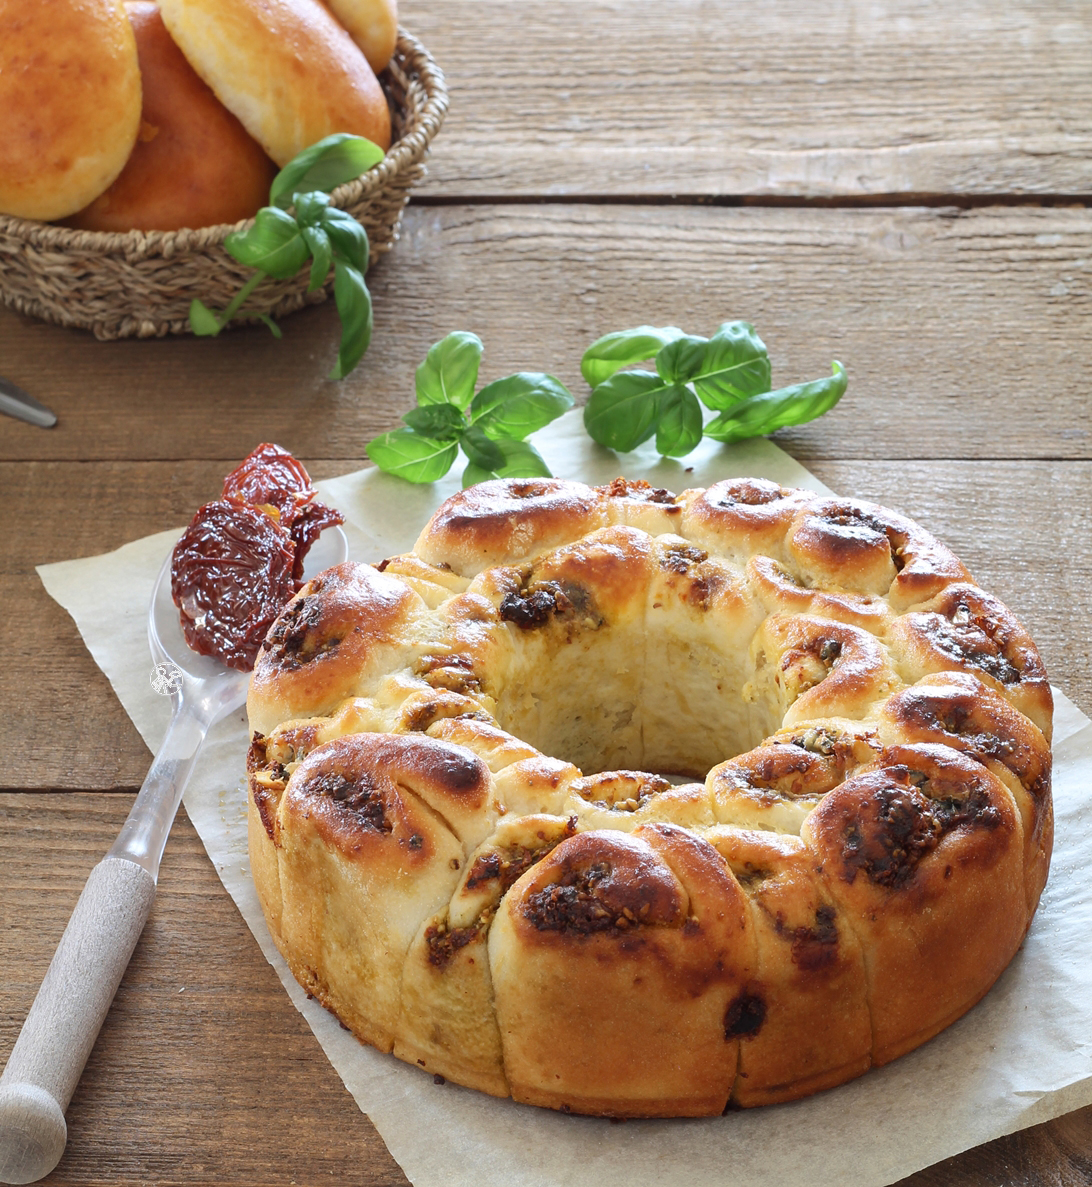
<point>231,575</point>
<point>309,522</point>
<point>271,476</point>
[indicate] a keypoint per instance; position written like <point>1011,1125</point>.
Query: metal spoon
<point>59,1032</point>
<point>16,402</point>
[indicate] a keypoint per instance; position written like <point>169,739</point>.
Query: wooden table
<point>903,186</point>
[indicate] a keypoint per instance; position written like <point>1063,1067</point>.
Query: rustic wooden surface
<point>903,187</point>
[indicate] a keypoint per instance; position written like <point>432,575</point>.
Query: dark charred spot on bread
<point>973,638</point>
<point>681,558</point>
<point>381,567</point>
<point>847,529</point>
<point>458,772</point>
<point>614,894</point>
<point>506,865</point>
<point>539,602</point>
<point>745,1015</point>
<point>904,820</point>
<point>750,492</point>
<point>454,672</point>
<point>359,795</point>
<point>293,639</point>
<point>442,941</point>
<point>814,947</point>
<point>638,488</point>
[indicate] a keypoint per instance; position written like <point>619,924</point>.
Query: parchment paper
<point>1022,1056</point>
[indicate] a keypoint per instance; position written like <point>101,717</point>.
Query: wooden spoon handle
<point>60,1030</point>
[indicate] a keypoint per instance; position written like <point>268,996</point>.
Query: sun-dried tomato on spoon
<point>241,559</point>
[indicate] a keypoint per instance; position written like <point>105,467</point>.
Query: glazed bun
<point>372,24</point>
<point>286,68</point>
<point>70,98</point>
<point>194,165</point>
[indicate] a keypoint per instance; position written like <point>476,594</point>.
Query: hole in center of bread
<point>644,694</point>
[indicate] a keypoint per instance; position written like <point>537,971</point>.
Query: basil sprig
<point>728,373</point>
<point>281,243</point>
<point>490,427</point>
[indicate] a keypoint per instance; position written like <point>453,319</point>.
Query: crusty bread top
<point>286,68</point>
<point>70,98</point>
<point>194,165</point>
<point>372,24</point>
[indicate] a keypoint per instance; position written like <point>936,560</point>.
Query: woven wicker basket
<point>140,283</point>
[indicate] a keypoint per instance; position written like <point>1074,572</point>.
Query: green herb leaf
<point>519,405</point>
<point>349,239</point>
<point>450,371</point>
<point>354,305</point>
<point>521,460</point>
<point>480,450</point>
<point>734,366</point>
<point>679,361</point>
<point>621,349</point>
<point>324,166</point>
<point>203,322</point>
<point>770,411</point>
<point>274,244</point>
<point>679,429</point>
<point>409,455</point>
<point>442,421</point>
<point>322,255</point>
<point>623,410</point>
<point>266,320</point>
<point>310,207</point>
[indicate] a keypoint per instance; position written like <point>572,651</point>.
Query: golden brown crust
<point>286,68</point>
<point>462,762</point>
<point>70,97</point>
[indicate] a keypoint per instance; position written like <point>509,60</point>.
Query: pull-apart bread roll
<point>194,165</point>
<point>286,68</point>
<point>467,846</point>
<point>70,103</point>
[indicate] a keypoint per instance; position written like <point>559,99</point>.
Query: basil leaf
<point>310,207</point>
<point>770,411</point>
<point>521,460</point>
<point>450,371</point>
<point>354,306</point>
<point>322,255</point>
<point>409,455</point>
<point>623,410</point>
<point>612,352</point>
<point>267,321</point>
<point>442,421</point>
<point>324,166</point>
<point>681,360</point>
<point>273,245</point>
<point>734,366</point>
<point>480,450</point>
<point>203,322</point>
<point>679,430</point>
<point>519,405</point>
<point>348,237</point>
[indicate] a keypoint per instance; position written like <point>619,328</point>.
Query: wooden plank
<point>204,1071</point>
<point>965,334</point>
<point>639,97</point>
<point>1010,522</point>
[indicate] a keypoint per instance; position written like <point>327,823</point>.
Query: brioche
<point>285,68</point>
<point>70,98</point>
<point>372,24</point>
<point>467,846</point>
<point>194,165</point>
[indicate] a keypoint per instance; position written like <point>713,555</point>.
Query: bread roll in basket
<point>121,284</point>
<point>468,847</point>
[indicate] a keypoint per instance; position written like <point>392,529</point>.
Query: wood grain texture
<point>621,97</point>
<point>965,334</point>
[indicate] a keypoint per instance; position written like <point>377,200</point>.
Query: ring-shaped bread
<point>466,847</point>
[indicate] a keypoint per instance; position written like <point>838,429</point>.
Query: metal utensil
<point>59,1032</point>
<point>16,402</point>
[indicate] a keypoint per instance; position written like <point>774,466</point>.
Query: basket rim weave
<point>134,245</point>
